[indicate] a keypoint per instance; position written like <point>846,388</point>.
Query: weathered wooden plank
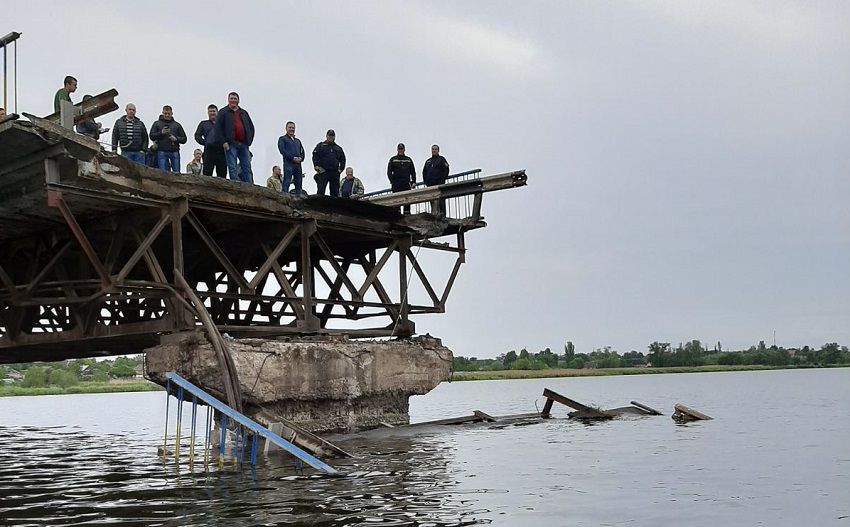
<point>555,396</point>
<point>484,417</point>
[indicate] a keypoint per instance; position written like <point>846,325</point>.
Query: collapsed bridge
<point>90,243</point>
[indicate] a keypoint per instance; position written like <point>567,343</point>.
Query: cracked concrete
<point>323,384</point>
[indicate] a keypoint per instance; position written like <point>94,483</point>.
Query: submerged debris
<point>683,414</point>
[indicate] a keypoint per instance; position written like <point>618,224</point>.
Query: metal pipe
<point>254,441</point>
<point>192,441</point>
<point>179,420</point>
<point>167,402</point>
<point>207,439</point>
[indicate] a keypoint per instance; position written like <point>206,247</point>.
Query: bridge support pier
<point>322,384</point>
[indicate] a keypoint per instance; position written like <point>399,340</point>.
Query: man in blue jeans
<point>130,134</point>
<point>168,135</point>
<point>292,151</point>
<point>234,125</point>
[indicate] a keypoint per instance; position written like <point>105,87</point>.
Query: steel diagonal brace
<point>423,278</point>
<point>273,256</point>
<point>284,283</point>
<point>143,248</point>
<point>218,253</point>
<point>323,246</point>
<point>374,270</point>
<point>55,199</point>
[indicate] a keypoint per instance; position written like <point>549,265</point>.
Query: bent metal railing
<point>245,429</point>
<point>459,207</point>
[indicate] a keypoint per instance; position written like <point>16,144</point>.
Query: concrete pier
<point>322,384</point>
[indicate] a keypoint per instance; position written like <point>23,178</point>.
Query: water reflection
<point>57,476</point>
<point>777,453</point>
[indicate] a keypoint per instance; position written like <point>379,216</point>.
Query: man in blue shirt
<point>292,151</point>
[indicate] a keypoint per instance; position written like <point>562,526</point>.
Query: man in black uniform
<point>329,161</point>
<point>435,172</point>
<point>401,173</point>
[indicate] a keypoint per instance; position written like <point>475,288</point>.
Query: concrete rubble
<point>322,384</point>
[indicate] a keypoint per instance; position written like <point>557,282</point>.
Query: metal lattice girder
<point>91,271</point>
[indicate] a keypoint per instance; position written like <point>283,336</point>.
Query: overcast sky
<point>688,162</point>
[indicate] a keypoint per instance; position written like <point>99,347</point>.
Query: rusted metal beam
<point>273,256</point>
<point>211,244</point>
<point>143,248</point>
<point>55,199</point>
<point>460,188</point>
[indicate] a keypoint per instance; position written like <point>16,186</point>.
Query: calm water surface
<point>777,453</point>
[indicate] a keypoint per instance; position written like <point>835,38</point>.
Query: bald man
<point>130,134</point>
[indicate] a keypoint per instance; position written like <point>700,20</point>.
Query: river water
<point>777,453</point>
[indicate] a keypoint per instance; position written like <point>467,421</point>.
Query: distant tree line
<point>659,355</point>
<point>68,373</point>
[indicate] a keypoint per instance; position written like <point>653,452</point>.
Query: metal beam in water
<point>257,428</point>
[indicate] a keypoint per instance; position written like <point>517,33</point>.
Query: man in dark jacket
<point>236,130</point>
<point>168,135</point>
<point>329,162</point>
<point>131,135</point>
<point>435,172</point>
<point>401,173</point>
<point>206,136</point>
<point>292,150</point>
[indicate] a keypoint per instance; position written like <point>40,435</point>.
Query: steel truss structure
<point>97,275</point>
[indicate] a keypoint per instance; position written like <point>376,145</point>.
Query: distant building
<point>87,372</point>
<point>139,372</point>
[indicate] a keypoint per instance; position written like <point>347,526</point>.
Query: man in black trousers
<point>207,136</point>
<point>401,173</point>
<point>329,162</point>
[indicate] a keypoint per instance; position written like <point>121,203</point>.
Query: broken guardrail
<point>244,427</point>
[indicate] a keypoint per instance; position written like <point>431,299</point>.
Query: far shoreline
<point>139,385</point>
<point>501,375</point>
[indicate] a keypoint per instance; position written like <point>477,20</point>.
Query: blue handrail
<point>258,429</point>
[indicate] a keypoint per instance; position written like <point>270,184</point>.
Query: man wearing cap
<point>329,162</point>
<point>401,173</point>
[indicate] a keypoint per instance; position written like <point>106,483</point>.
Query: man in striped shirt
<point>130,133</point>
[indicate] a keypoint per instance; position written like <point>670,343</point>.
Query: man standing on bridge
<point>401,173</point>
<point>207,137</point>
<point>235,128</point>
<point>435,172</point>
<point>130,134</point>
<point>329,162</point>
<point>169,135</point>
<point>292,150</point>
<point>64,93</point>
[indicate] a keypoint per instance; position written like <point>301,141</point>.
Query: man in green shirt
<point>64,93</point>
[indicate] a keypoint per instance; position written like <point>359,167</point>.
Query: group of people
<point>226,136</point>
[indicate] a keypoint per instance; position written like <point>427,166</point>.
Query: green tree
<point>569,352</point>
<point>577,363</point>
<point>35,377</point>
<point>510,357</point>
<point>122,371</point>
<point>547,357</point>
<point>659,354</point>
